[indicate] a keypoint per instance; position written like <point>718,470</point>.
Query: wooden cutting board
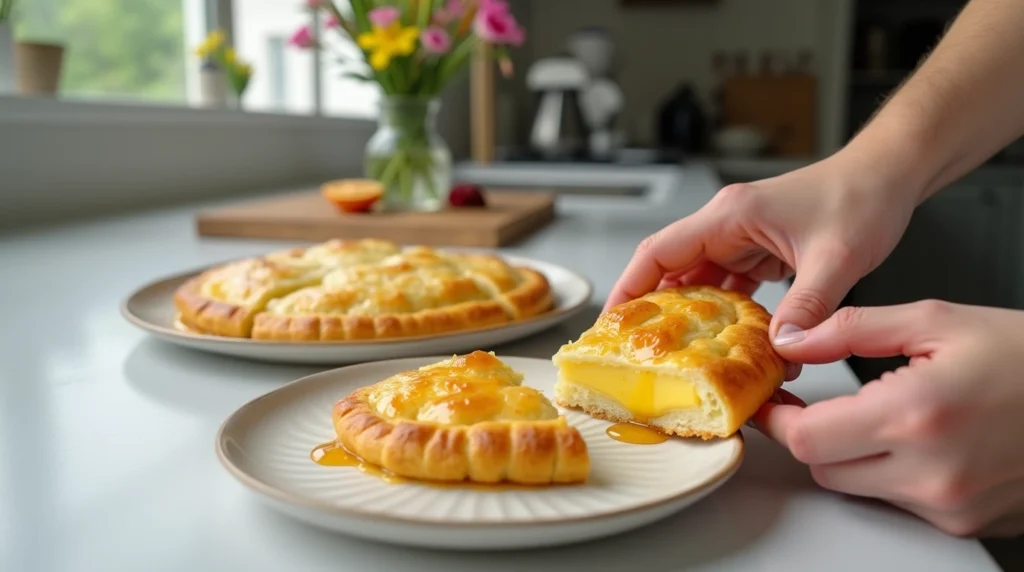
<point>783,107</point>
<point>508,217</point>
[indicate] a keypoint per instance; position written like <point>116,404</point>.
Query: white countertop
<point>106,435</point>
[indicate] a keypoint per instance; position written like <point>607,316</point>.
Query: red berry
<point>466,196</point>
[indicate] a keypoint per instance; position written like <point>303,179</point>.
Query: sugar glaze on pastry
<point>468,418</point>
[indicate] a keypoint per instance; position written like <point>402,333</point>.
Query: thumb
<point>882,331</point>
<point>820,284</point>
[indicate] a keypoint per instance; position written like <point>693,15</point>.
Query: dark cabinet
<point>962,245</point>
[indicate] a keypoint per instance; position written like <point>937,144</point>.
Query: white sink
<point>581,185</point>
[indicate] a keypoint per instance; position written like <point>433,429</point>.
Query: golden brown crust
<point>205,315</point>
<point>467,316</point>
<point>532,296</point>
<point>491,448</point>
<point>370,290</point>
<point>720,336</point>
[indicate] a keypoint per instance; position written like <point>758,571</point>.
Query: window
<point>284,77</point>
<point>114,49</point>
<point>143,51</point>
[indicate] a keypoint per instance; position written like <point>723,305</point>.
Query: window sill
<point>37,110</point>
<point>72,159</point>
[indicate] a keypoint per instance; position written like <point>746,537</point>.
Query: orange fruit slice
<point>353,195</point>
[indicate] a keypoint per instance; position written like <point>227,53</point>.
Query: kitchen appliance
<point>602,98</point>
<point>594,48</point>
<point>601,101</point>
<point>559,130</point>
<point>682,124</point>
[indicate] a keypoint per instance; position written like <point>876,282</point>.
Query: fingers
<point>774,420</point>
<point>908,329</point>
<point>741,283</point>
<point>823,278</point>
<point>705,272</point>
<point>879,476</point>
<point>841,429</point>
<point>677,247</point>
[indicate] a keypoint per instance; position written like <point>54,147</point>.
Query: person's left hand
<point>942,437</point>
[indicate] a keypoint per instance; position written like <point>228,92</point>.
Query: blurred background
<point>107,110</point>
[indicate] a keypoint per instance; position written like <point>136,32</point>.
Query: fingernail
<point>789,334</point>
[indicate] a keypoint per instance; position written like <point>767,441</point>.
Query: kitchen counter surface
<point>107,435</point>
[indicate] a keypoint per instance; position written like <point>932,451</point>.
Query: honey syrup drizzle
<point>635,434</point>
<point>334,454</point>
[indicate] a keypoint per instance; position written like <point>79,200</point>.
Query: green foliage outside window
<point>122,49</point>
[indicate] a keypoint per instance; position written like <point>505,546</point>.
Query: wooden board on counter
<point>783,107</point>
<point>508,217</point>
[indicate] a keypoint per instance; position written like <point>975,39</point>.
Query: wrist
<point>892,160</point>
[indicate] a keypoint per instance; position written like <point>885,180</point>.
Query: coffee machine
<point>559,131</point>
<point>576,101</point>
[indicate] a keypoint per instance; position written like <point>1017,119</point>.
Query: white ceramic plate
<point>151,308</point>
<point>266,444</point>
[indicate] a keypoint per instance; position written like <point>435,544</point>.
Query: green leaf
<point>360,9</point>
<point>357,75</point>
<point>455,60</point>
<point>426,9</point>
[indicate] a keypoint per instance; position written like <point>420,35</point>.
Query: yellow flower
<point>386,43</point>
<point>212,42</point>
<point>229,55</point>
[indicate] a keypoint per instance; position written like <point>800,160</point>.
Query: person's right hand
<point>827,222</point>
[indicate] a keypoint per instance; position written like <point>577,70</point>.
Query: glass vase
<point>408,157</point>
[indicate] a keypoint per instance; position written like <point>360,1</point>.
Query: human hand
<point>830,222</point>
<point>942,437</point>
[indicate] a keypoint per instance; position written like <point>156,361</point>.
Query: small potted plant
<point>222,58</point>
<point>412,50</point>
<point>8,72</point>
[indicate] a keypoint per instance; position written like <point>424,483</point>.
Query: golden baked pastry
<point>692,361</point>
<point>357,290</point>
<point>465,418</point>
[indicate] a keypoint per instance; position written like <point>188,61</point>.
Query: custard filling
<point>645,394</point>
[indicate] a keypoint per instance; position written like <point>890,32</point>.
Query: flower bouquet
<point>237,73</point>
<point>412,49</point>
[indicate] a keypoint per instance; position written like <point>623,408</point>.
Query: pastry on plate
<point>359,290</point>
<point>224,300</point>
<point>468,418</point>
<point>692,361</point>
<point>419,292</point>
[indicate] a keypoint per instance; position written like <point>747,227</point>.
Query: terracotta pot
<point>39,67</point>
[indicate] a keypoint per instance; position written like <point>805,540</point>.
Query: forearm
<point>964,103</point>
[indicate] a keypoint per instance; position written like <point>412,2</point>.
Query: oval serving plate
<point>151,308</point>
<point>266,445</point>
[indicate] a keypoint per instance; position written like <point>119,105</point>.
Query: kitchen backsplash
<point>662,45</point>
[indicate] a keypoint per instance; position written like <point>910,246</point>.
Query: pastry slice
<point>691,361</point>
<point>224,300</point>
<point>465,418</point>
<point>416,293</point>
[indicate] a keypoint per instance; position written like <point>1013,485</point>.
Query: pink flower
<point>331,22</point>
<point>452,11</point>
<point>384,16</point>
<point>495,24</point>
<point>314,4</point>
<point>302,38</point>
<point>435,40</point>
